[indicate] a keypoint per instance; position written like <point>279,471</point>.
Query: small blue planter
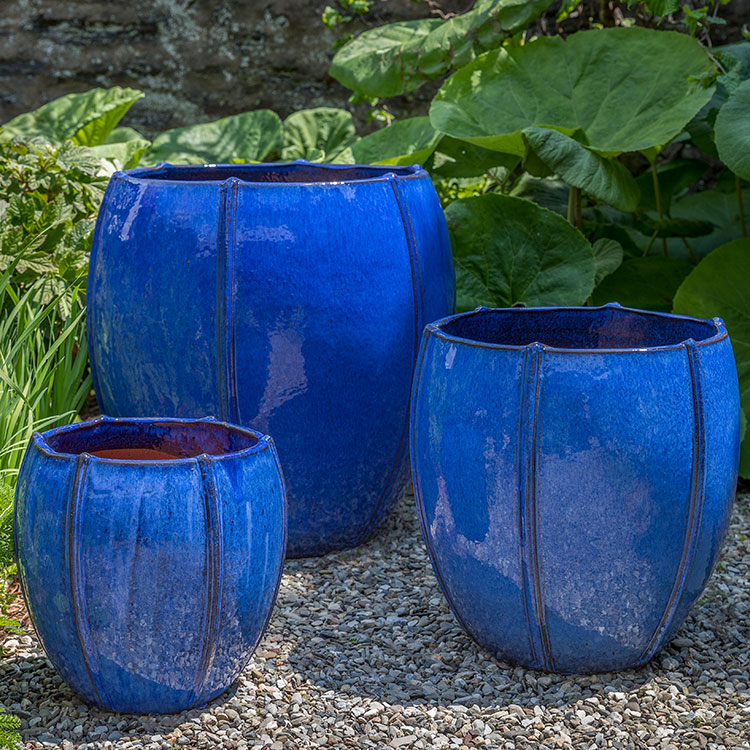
<point>574,471</point>
<point>285,297</point>
<point>150,553</point>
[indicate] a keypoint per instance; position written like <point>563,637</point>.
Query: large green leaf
<point>721,209</point>
<point>454,158</point>
<point>390,60</point>
<point>123,154</point>
<point>607,257</point>
<point>317,134</point>
<point>674,177</point>
<point>383,61</point>
<point>732,131</point>
<point>718,286</point>
<point>509,250</point>
<point>651,225</point>
<point>87,118</point>
<point>409,141</point>
<point>250,136</point>
<point>647,283</point>
<point>735,60</point>
<point>549,192</point>
<point>618,89</point>
<point>605,179</point>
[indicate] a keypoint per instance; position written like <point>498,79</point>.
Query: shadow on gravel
<point>373,623</point>
<point>34,683</point>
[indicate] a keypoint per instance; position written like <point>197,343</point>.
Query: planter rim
<point>39,439</point>
<point>436,329</point>
<point>158,173</point>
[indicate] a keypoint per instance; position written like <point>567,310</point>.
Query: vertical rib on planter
<point>695,508</point>
<point>574,471</point>
<point>77,589</point>
<point>226,313</point>
<point>533,357</point>
<point>214,573</point>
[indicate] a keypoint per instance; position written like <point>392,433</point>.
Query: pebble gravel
<point>362,652</point>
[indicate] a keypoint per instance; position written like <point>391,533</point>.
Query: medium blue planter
<point>286,297</point>
<point>574,471</point>
<point>150,553</point>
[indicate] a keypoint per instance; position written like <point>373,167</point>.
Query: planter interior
<point>598,328</point>
<point>148,440</point>
<point>270,173</point>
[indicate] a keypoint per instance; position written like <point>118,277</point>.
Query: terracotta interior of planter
<point>576,328</point>
<point>150,441</point>
<point>269,173</point>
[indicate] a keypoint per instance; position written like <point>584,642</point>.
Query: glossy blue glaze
<point>150,581</point>
<point>574,472</point>
<point>286,297</point>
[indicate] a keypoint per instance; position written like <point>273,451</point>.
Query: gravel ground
<point>362,651</point>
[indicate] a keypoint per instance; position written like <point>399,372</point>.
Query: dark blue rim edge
<point>436,330</point>
<point>385,171</point>
<point>40,439</point>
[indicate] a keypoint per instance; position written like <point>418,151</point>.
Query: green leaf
<point>121,135</point>
<point>732,131</point>
<point>454,158</point>
<point>604,179</point>
<point>673,179</point>
<point>122,155</point>
<point>250,136</point>
<point>317,134</point>
<point>662,7</point>
<point>647,283</point>
<point>735,59</point>
<point>86,118</point>
<point>718,286</point>
<point>607,257</point>
<point>405,142</point>
<point>400,57</point>
<point>623,89</point>
<point>383,61</point>
<point>648,225</point>
<point>509,250</point>
<point>548,192</point>
<point>721,209</point>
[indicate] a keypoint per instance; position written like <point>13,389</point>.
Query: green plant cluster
<point>611,165</point>
<point>9,726</point>
<point>49,199</point>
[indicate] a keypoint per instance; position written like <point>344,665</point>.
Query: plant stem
<point>740,205</point>
<point>691,250</point>
<point>650,243</point>
<point>574,207</point>
<point>657,196</point>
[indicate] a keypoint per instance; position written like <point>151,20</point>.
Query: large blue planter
<point>150,554</point>
<point>286,297</point>
<point>574,472</point>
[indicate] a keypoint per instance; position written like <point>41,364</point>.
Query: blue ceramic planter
<point>150,553</point>
<point>286,297</point>
<point>574,471</point>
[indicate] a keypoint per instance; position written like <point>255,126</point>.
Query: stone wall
<point>197,60</point>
